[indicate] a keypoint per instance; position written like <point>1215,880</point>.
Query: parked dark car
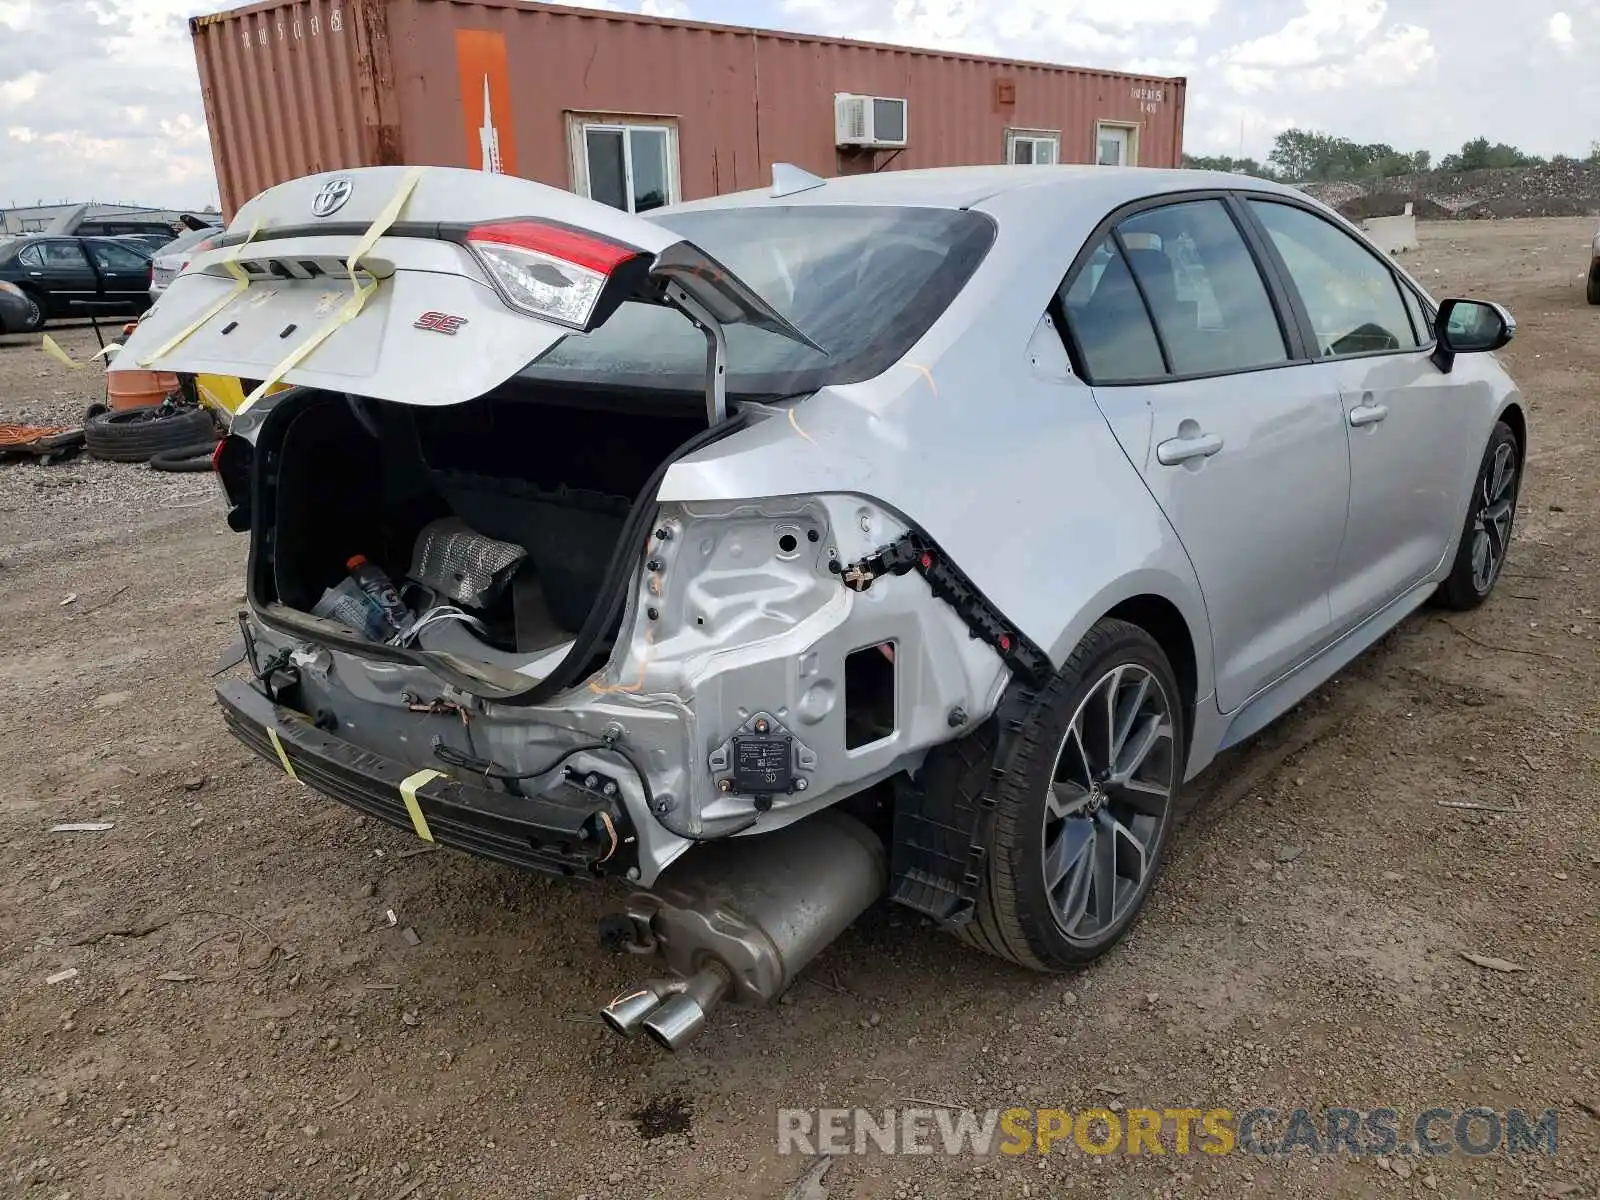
<point>77,276</point>
<point>149,241</point>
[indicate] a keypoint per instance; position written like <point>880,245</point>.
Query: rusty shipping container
<point>635,109</point>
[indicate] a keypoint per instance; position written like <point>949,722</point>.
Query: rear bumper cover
<point>587,837</point>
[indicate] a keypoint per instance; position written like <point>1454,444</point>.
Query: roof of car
<point>965,187</point>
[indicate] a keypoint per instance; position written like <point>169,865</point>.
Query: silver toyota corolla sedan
<point>915,534</point>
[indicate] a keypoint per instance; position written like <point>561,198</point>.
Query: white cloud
<point>15,92</point>
<point>99,98</point>
<point>1332,44</point>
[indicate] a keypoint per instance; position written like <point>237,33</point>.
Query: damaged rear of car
<point>576,670</point>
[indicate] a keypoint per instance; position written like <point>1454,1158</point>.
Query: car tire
<point>135,434</point>
<point>1074,847</point>
<point>195,458</point>
<point>1486,530</point>
<point>1594,284</point>
<point>38,313</point>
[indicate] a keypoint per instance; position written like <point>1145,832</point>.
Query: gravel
<point>39,503</point>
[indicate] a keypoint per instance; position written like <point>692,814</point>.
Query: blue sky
<point>99,98</point>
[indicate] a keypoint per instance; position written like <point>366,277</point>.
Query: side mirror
<point>1469,327</point>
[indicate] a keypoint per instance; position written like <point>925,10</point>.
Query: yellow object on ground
<point>225,392</point>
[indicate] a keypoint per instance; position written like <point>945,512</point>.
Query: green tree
<point>1479,155</point>
<point>1306,154</point>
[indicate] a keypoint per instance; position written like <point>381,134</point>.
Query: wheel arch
<point>1162,620</point>
<point>40,296</point>
<point>1513,416</point>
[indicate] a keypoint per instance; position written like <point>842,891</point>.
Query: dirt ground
<point>245,1021</point>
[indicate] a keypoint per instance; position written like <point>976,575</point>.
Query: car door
<point>124,275</point>
<point>1403,417</point>
<point>66,272</point>
<point>1239,440</point>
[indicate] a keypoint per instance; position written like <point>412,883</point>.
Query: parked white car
<point>171,259</point>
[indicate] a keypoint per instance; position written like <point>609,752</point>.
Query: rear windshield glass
<point>862,282</point>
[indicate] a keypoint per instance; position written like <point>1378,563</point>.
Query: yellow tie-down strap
<point>241,283</point>
<point>54,350</point>
<point>408,793</point>
<point>359,292</point>
<point>283,757</point>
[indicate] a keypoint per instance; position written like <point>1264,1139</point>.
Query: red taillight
<point>550,271</point>
<point>216,456</point>
<point>597,254</point>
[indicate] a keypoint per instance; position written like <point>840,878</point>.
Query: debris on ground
<point>47,443</point>
<point>1491,963</point>
<point>83,827</point>
<point>809,1186</point>
<point>62,976</point>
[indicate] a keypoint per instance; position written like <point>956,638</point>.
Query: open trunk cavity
<point>568,476</point>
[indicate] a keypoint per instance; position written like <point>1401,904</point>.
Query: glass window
<point>1350,293</point>
<point>112,257</point>
<point>31,256</point>
<point>1033,149</point>
<point>1419,315</point>
<point>647,159</point>
<point>608,174</point>
<point>67,255</point>
<point>864,282</point>
<point>1203,288</point>
<point>1111,143</point>
<point>630,167</point>
<point>1109,321</point>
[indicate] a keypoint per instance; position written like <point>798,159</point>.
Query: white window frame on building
<point>1023,146</point>
<point>1129,138</point>
<point>633,132</point>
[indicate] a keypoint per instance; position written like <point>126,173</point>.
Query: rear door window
<point>1109,321</point>
<point>1203,288</point>
<point>65,256</point>
<point>111,257</point>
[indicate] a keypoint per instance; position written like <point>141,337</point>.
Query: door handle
<point>1368,414</point>
<point>1181,449</point>
<point>36,274</point>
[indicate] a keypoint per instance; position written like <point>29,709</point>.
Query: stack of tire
<point>168,437</point>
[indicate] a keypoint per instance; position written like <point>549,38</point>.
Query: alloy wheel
<point>1111,794</point>
<point>1491,519</point>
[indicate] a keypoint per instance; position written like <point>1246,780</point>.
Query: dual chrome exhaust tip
<point>670,1012</point>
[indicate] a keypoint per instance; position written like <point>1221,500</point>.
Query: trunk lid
<point>461,279</point>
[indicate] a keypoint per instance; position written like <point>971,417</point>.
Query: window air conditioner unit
<point>869,121</point>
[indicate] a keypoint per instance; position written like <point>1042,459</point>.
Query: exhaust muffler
<point>739,920</point>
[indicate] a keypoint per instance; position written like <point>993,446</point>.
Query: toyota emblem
<point>330,199</point>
